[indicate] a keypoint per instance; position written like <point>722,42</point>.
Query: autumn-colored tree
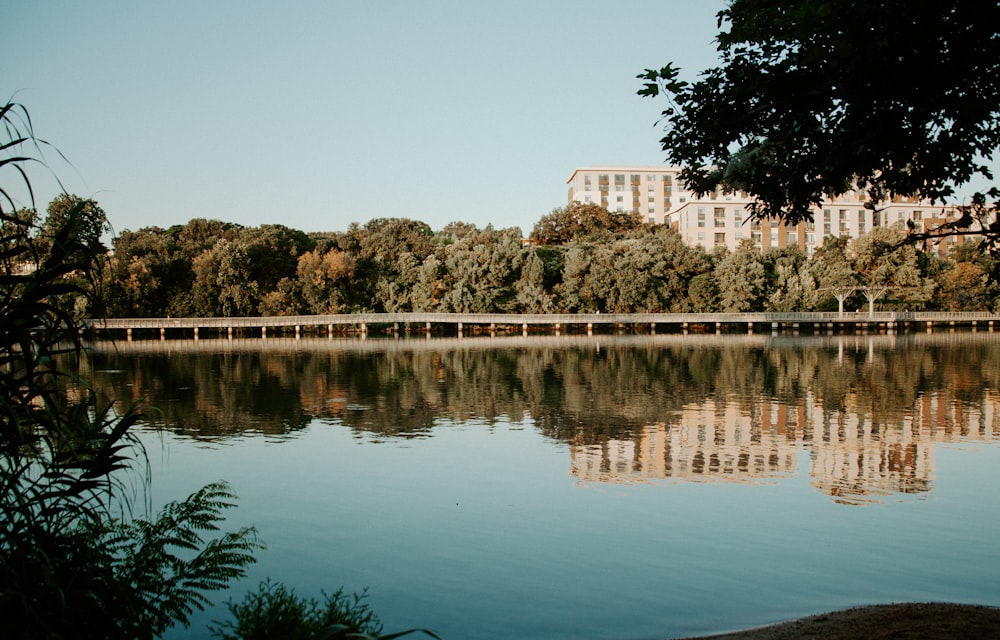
<point>324,278</point>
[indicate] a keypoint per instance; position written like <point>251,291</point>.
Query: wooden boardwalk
<point>459,323</point>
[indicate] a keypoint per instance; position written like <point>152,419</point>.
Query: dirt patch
<point>910,621</point>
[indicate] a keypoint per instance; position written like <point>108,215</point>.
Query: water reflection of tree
<point>584,394</point>
<point>208,395</point>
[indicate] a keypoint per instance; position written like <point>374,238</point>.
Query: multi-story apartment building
<point>721,219</point>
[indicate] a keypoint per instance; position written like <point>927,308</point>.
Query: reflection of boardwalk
<point>850,457</point>
<point>539,341</point>
<point>360,322</point>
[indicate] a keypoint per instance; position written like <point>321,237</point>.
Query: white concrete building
<point>721,219</point>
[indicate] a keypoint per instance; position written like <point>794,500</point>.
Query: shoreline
<point>901,621</point>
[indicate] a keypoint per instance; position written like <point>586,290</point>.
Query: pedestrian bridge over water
<point>452,323</point>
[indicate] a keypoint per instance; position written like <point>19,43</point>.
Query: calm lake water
<point>618,487</point>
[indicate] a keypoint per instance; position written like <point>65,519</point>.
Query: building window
<point>719,214</point>
<point>701,217</point>
<point>826,214</point>
<point>586,199</point>
<point>701,236</point>
<point>620,199</point>
<point>918,216</point>
<point>827,230</point>
<point>720,239</point>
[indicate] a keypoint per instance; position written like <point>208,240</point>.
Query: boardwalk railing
<point>361,322</point>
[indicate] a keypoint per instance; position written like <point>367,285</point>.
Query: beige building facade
<point>721,219</point>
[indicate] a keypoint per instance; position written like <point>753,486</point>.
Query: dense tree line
<point>580,258</point>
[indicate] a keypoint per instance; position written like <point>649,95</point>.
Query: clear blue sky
<point>322,113</point>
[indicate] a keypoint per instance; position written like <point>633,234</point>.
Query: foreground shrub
<point>275,612</point>
<point>74,562</point>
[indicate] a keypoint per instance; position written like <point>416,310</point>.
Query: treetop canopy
<point>818,98</point>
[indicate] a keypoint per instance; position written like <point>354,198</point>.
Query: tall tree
<point>532,297</point>
<point>482,270</point>
<point>323,278</point>
<point>742,280</point>
<point>578,220</point>
<point>831,270</point>
<point>576,291</point>
<point>791,285</point>
<point>889,270</point>
<point>378,246</point>
<point>273,251</point>
<point>815,98</point>
<point>149,275</point>
<point>89,221</point>
<point>223,285</point>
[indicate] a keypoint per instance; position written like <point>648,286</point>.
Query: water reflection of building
<point>706,442</point>
<point>851,457</point>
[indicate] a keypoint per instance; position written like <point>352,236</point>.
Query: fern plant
<point>166,565</point>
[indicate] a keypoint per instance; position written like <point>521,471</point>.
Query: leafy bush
<point>275,612</point>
